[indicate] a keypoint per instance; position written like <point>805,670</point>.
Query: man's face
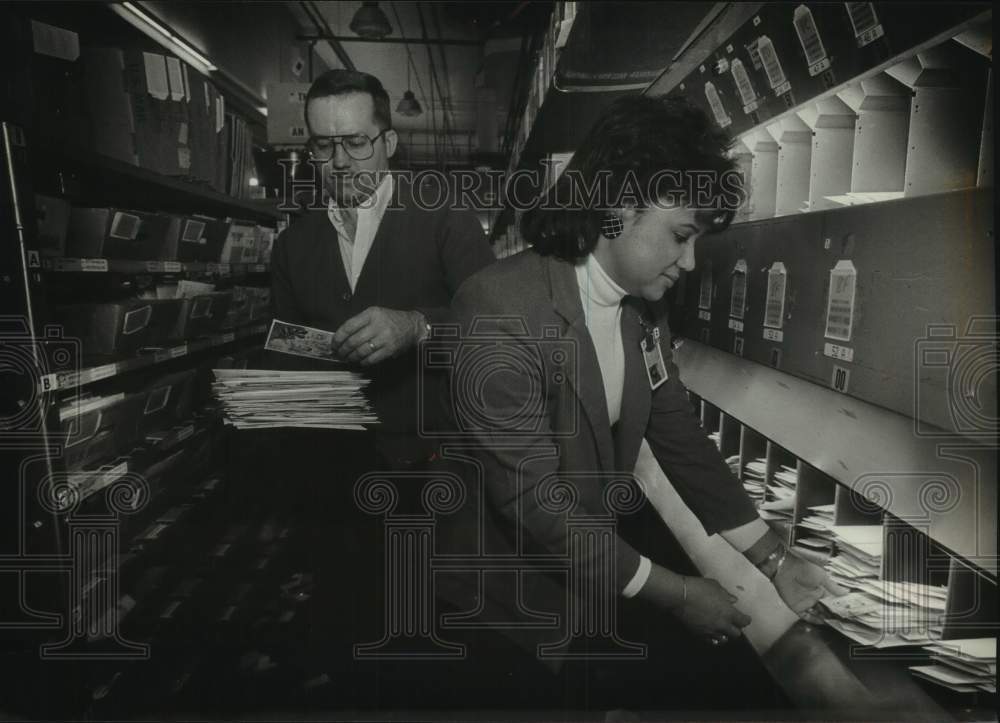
<point>347,180</point>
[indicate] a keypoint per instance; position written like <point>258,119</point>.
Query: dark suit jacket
<point>417,261</point>
<point>554,386</point>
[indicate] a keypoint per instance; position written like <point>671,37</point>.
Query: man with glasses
<point>372,265</point>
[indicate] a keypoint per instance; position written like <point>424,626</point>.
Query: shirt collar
<point>596,286</point>
<point>374,207</point>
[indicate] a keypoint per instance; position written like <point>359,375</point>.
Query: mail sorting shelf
<point>909,552</point>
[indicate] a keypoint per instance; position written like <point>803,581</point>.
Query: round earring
<point>612,226</point>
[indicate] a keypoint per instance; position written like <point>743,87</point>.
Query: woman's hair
<point>641,151</point>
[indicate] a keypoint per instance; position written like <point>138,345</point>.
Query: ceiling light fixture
<point>370,22</point>
<point>151,27</point>
<point>409,105</point>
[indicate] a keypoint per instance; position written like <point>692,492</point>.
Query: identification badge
<point>652,358</point>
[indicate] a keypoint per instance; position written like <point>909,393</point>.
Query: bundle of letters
<point>966,666</point>
<point>779,501</point>
<point>262,398</point>
<point>878,612</point>
<point>753,478</point>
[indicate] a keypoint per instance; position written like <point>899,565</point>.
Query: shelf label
<point>705,290</point>
<point>170,267</point>
<point>704,315</point>
<point>95,265</point>
<point>738,298</point>
<point>774,308</point>
<point>774,335</point>
<point>107,477</point>
<point>48,383</point>
<point>178,351</point>
<point>96,374</point>
<point>809,38</point>
<point>835,351</point>
<point>185,432</point>
<point>840,308</point>
<point>228,337</point>
<point>782,89</point>
<point>736,325</point>
<point>864,21</point>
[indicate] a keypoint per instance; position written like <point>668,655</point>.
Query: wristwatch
<point>771,564</point>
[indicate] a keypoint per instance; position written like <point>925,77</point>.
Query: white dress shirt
<point>601,298</point>
<point>369,216</point>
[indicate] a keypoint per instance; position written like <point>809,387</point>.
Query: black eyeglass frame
<point>339,140</point>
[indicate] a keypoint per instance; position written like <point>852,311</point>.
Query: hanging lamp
<point>370,22</point>
<point>409,105</point>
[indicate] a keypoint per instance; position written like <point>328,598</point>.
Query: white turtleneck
<point>602,311</point>
<point>601,298</point>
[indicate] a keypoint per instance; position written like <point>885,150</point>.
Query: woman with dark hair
<point>579,320</point>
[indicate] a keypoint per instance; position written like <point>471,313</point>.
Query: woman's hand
<point>801,584</point>
<point>710,610</point>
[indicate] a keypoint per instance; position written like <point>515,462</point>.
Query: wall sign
<point>840,308</point>
<point>738,299</point>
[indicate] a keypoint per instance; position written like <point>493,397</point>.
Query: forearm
<point>664,588</point>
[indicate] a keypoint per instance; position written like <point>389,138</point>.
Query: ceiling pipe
<point>416,41</point>
<point>324,32</point>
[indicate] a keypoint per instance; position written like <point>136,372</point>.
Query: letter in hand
<point>710,610</point>
<point>801,584</point>
<point>376,334</point>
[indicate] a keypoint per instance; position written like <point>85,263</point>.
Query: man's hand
<point>801,584</point>
<point>377,334</point>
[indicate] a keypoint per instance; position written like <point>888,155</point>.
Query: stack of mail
<point>877,612</point>
<point>965,666</point>
<point>716,437</point>
<point>734,464</point>
<point>262,398</point>
<point>779,502</point>
<point>817,526</point>
<point>753,478</point>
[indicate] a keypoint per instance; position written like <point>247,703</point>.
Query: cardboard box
<point>57,95</point>
<point>117,328</point>
<point>201,120</point>
<point>202,314</point>
<point>240,246</point>
<point>121,234</point>
<point>109,104</point>
<point>265,243</point>
<point>52,217</point>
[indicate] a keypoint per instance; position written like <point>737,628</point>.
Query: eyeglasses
<point>356,145</point>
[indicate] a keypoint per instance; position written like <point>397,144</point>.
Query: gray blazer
<point>522,432</point>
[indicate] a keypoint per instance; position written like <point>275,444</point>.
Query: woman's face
<point>655,245</point>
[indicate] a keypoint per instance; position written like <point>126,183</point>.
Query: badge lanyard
<point>652,355</point>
